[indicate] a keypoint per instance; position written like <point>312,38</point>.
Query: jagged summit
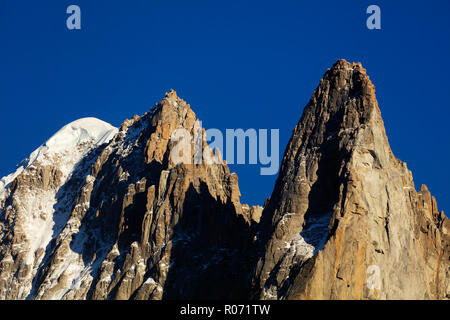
<point>172,95</point>
<point>342,64</point>
<point>172,100</point>
<point>350,93</point>
<point>342,105</point>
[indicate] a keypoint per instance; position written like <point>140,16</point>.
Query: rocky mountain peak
<point>172,96</point>
<point>343,203</point>
<point>172,103</point>
<point>339,182</point>
<point>127,222</point>
<point>344,99</point>
<point>102,213</point>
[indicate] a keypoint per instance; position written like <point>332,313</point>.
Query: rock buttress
<point>344,208</point>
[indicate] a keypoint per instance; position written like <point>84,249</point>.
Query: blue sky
<point>240,64</point>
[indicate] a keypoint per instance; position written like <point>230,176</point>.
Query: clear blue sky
<point>240,64</point>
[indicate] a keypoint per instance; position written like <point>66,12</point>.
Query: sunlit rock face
<point>110,216</point>
<point>99,212</point>
<point>349,207</point>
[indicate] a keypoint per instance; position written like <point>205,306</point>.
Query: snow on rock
<point>89,131</point>
<point>80,131</point>
<point>298,247</point>
<point>44,213</point>
<point>316,230</point>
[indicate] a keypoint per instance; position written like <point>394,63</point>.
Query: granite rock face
<point>129,223</point>
<point>104,213</point>
<point>345,220</point>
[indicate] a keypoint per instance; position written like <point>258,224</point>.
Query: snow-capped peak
<point>74,134</point>
<point>79,131</point>
<point>90,131</point>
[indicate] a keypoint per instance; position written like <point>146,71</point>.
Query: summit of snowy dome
<point>93,131</point>
<point>79,131</point>
<point>85,132</point>
<point>90,124</point>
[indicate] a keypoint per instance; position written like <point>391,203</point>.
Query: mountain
<point>345,210</point>
<point>99,212</point>
<point>103,213</point>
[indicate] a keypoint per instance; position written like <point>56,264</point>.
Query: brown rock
<point>342,191</point>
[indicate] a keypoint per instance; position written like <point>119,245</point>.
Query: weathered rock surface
<point>105,213</point>
<point>344,211</point>
<point>130,223</point>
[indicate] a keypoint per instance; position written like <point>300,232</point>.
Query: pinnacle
<point>346,87</point>
<point>343,64</point>
<point>171,103</point>
<point>351,78</point>
<point>172,95</point>
<point>172,99</point>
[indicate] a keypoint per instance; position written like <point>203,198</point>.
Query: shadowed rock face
<point>341,190</point>
<point>121,221</point>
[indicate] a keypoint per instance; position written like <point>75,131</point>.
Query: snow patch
<point>316,230</point>
<point>299,247</point>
